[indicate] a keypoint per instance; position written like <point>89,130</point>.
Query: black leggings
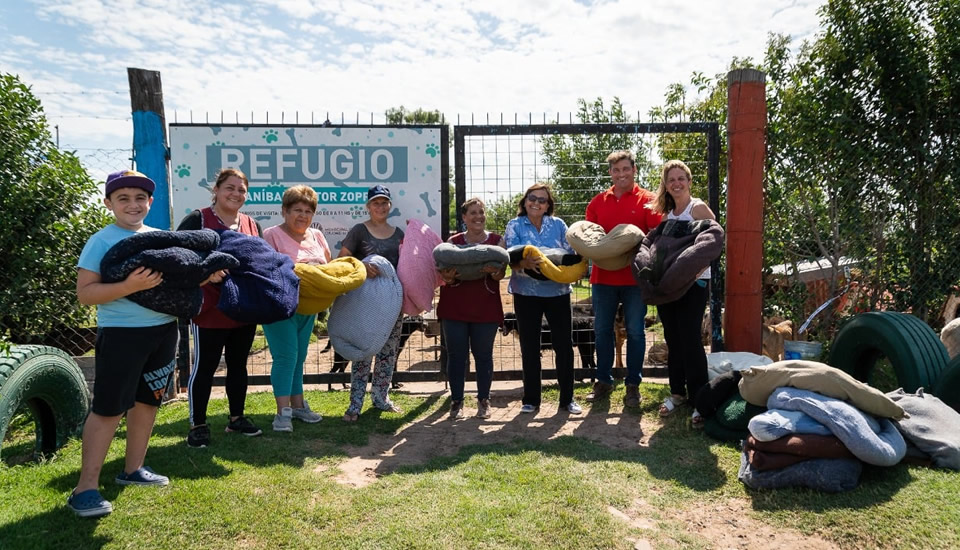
<point>530,311</point>
<point>209,344</point>
<point>686,360</point>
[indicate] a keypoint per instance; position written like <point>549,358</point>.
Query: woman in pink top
<point>288,339</point>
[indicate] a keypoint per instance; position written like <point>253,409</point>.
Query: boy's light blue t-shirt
<point>121,312</point>
<point>552,234</point>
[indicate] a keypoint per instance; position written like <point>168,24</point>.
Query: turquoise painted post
<point>150,155</point>
<point>150,140</point>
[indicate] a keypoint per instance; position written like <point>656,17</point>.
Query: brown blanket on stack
<point>791,449</point>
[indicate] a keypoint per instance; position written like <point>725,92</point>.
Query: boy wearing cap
<point>135,349</point>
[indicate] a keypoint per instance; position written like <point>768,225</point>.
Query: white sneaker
<point>283,422</point>
<point>528,409</point>
<point>573,408</point>
<point>306,415</point>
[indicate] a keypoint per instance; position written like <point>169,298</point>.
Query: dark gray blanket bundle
<point>830,475</point>
<point>673,255</point>
<point>185,258</point>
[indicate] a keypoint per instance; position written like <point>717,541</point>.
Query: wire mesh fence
<point>38,281</point>
<point>498,163</point>
<point>835,249</point>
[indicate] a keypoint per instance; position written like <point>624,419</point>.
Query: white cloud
<point>367,55</point>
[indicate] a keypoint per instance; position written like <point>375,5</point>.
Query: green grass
<point>279,490</point>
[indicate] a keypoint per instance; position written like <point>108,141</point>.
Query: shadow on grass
<point>169,455</point>
<point>604,433</point>
<point>57,528</point>
<point>877,485</point>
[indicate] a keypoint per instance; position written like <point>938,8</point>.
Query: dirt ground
<point>725,524</point>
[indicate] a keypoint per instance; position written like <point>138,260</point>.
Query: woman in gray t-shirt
<point>374,236</point>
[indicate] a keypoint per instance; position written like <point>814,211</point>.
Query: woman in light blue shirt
<point>533,299</point>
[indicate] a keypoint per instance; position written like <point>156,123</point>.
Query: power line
<point>89,116</point>
<point>95,92</point>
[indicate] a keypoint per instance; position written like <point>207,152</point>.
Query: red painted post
<point>746,135</point>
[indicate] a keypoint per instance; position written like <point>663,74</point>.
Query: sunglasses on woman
<point>541,200</point>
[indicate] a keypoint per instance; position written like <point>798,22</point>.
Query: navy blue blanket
<point>186,259</point>
<point>263,288</point>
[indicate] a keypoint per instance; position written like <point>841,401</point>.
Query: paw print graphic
<point>271,136</point>
<point>354,144</point>
<point>357,212</point>
<point>183,170</point>
<point>431,150</point>
<point>218,144</point>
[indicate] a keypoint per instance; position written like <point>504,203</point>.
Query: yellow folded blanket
<point>558,274</point>
<point>321,284</point>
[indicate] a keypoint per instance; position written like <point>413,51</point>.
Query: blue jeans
<point>461,339</point>
<point>605,301</point>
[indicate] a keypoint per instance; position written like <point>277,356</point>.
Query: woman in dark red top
<point>471,312</point>
<point>213,332</point>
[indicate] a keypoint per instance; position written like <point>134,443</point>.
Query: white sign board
<point>340,163</point>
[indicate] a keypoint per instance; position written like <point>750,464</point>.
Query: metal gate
<point>496,163</point>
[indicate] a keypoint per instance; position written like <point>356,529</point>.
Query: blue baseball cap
<point>128,178</point>
<point>378,191</point>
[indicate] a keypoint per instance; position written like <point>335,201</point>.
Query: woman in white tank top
<point>687,360</point>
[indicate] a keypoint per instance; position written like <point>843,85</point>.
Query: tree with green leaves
<point>863,140</point>
<point>862,164</point>
<point>50,208</point>
<point>704,99</point>
<point>579,161</point>
<point>400,115</point>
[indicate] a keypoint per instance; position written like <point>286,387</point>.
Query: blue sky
<point>287,56</point>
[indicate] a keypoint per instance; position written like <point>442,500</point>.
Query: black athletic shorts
<point>133,364</point>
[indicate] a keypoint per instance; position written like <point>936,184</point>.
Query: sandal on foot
<point>670,405</point>
<point>351,417</point>
<point>389,407</point>
<point>697,420</point>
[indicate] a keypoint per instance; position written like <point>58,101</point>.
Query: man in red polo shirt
<point>624,202</point>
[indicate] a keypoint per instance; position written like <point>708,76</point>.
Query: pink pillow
<point>416,269</point>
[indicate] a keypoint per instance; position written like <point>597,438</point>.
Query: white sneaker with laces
<point>306,415</point>
<point>526,409</point>
<point>283,422</point>
<point>573,408</point>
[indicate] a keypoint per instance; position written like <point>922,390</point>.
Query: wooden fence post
<point>151,155</point>
<point>150,140</point>
<point>746,134</point>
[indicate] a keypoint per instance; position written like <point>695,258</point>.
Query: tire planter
<point>947,388</point>
<point>916,354</point>
<point>51,384</point>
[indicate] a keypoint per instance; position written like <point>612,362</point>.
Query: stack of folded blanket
<point>819,427</point>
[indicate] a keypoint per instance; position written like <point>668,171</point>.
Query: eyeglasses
<point>541,200</point>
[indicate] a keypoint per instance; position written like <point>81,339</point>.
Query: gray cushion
<point>469,259</point>
<point>361,320</point>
